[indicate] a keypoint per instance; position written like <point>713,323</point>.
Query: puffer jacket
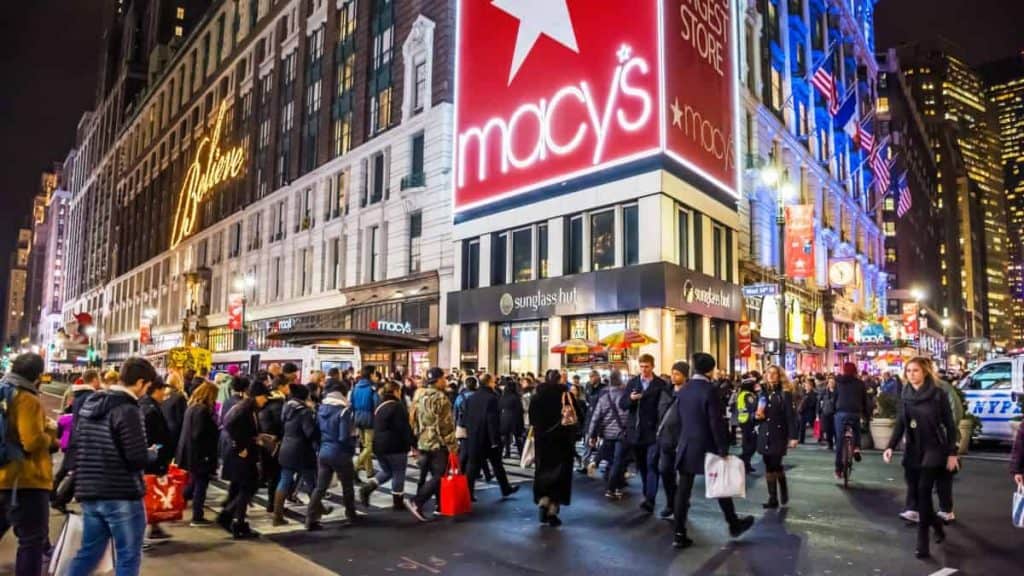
<point>338,432</point>
<point>609,419</point>
<point>300,437</point>
<point>392,433</point>
<point>111,447</point>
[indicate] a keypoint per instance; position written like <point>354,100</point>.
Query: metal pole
<point>245,328</point>
<point>781,221</point>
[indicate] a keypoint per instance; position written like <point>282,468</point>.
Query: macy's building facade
<point>595,181</point>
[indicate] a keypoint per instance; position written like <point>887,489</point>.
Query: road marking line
<point>944,572</point>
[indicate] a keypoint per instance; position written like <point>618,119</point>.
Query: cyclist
<point>851,405</point>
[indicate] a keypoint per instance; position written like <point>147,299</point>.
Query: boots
<point>773,490</point>
<point>365,490</point>
<point>240,530</point>
<point>279,498</point>
<point>398,502</point>
<point>783,489</point>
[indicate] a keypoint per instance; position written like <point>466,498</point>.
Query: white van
<point>307,358</point>
<point>992,391</point>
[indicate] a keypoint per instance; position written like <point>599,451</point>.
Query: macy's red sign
<point>549,90</point>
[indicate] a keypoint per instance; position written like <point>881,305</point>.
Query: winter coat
<point>608,421</point>
<point>554,445</point>
<point>364,400</point>
<point>702,428</point>
<point>642,425</point>
<point>851,396</point>
<point>392,433</point>
<point>338,431</point>
<point>779,425</point>
<point>926,420</point>
<point>27,426</point>
<point>483,422</point>
<point>434,424</point>
<point>79,395</point>
<point>809,405</point>
<point>1017,456</point>
<point>242,456</point>
<point>157,433</point>
<point>827,403</point>
<point>174,407</point>
<point>668,427</point>
<point>111,447</point>
<point>197,445</point>
<point>269,416</point>
<point>298,445</point>
<point>511,406</point>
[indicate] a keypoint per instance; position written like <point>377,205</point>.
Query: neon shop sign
<point>545,114</point>
<point>211,167</point>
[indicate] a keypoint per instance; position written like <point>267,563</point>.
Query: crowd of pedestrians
<point>272,431</point>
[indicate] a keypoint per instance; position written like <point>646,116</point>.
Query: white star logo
<point>677,114</point>
<point>548,17</point>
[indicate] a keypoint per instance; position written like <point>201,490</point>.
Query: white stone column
<point>554,337</point>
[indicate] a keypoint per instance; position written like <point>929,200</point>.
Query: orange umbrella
<point>577,346</point>
<point>627,339</point>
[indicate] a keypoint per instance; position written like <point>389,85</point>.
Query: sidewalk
<point>206,551</point>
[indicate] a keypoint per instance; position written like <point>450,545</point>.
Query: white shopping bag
<point>724,477</point>
<point>67,546</point>
<point>1018,507</point>
<point>528,451</point>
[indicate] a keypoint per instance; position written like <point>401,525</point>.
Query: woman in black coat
<point>241,460</point>
<point>926,420</point>
<point>392,441</point>
<point>776,431</point>
<point>554,447</point>
<point>197,447</point>
<point>297,455</point>
<point>272,430</point>
<point>512,426</point>
<point>174,406</point>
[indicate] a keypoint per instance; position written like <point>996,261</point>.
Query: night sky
<point>49,51</point>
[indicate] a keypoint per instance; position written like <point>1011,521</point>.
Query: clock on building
<point>841,272</point>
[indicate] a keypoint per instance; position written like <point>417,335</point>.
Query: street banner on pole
<point>743,339</point>
<point>800,241</point>
<point>235,303</point>
<point>145,336</point>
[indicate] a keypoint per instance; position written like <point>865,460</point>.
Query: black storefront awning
<point>365,339</point>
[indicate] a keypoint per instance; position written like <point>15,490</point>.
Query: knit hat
<point>258,388</point>
<point>681,367</point>
<point>233,370</point>
<point>703,363</point>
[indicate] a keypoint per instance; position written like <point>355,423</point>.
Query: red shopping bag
<point>817,428</point>
<point>455,499</point>
<point>165,495</point>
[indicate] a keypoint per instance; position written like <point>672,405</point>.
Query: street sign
<point>760,290</point>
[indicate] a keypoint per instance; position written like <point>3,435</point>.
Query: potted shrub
<point>884,420</point>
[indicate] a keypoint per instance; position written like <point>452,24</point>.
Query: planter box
<point>881,431</point>
<point>966,428</point>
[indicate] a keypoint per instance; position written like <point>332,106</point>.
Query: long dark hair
<point>553,377</point>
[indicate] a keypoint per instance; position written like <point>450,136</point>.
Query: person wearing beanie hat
<point>668,436</point>
<point>241,459</point>
<point>851,400</point>
<point>701,430</point>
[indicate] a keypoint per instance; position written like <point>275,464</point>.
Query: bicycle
<point>847,453</point>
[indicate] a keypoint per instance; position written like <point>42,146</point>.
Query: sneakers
<point>946,517</point>
<point>740,526</point>
<point>415,510</point>
<point>680,541</point>
<point>158,533</point>
<point>910,516</point>
<point>666,512</point>
<point>511,490</point>
<point>200,523</point>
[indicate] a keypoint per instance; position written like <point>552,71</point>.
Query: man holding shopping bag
<point>702,430</point>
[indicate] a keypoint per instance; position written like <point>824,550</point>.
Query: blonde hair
<point>175,381</point>
<point>205,394</point>
<point>784,383</point>
<point>111,377</point>
<point>926,365</point>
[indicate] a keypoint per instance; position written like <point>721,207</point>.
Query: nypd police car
<point>992,391</point>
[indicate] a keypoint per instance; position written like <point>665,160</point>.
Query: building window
<point>631,233</point>
<point>287,120</point>
<point>471,264</point>
<point>311,116</point>
<point>345,57</point>
<point>378,184</point>
<point>235,240</point>
<point>374,254</point>
<point>683,229</point>
<point>419,95</point>
<point>305,271</point>
<point>275,279</point>
<point>415,241</point>
<point>574,245</point>
<point>334,264</point>
<point>522,255</point>
<point>542,251</point>
<point>179,13</point>
<point>602,240</point>
<point>337,196</point>
<point>380,77</point>
<point>499,258</point>
<point>415,177</point>
<point>718,246</point>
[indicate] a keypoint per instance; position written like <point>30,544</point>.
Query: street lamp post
<point>771,177</point>
<point>243,284</point>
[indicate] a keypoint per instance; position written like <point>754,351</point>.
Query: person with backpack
<point>668,436</point>
<point>392,440</point>
<point>64,491</point>
<point>27,439</point>
<point>109,463</point>
<point>607,424</point>
<point>297,455</point>
<point>364,401</point>
<point>338,433</point>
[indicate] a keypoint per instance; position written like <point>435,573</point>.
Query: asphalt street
<point>825,530</point>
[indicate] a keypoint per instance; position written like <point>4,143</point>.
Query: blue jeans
<point>392,467</point>
<point>287,481</point>
<point>841,419</point>
<point>652,472</point>
<point>122,520</point>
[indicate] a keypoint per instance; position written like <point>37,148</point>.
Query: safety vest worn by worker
<point>741,406</point>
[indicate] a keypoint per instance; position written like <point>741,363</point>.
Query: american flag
<point>864,136</point>
<point>905,199</point>
<point>880,166</point>
<point>826,85</point>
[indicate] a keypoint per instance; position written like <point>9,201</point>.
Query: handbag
<point>526,460</point>
<point>165,495</point>
<point>67,546</point>
<point>724,477</point>
<point>1017,512</point>
<point>455,498</point>
<point>568,410</point>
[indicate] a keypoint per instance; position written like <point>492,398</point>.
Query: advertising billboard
<point>800,241</point>
<point>549,92</point>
